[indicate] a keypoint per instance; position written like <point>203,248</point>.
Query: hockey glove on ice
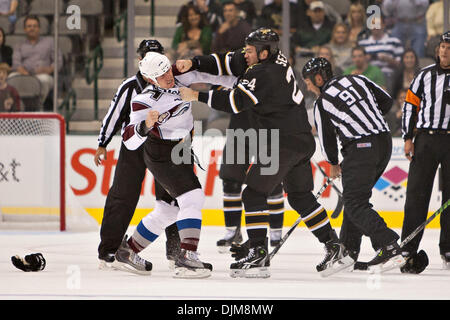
<point>415,263</point>
<point>239,251</point>
<point>32,262</point>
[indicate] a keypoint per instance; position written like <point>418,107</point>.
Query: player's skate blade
<point>105,263</point>
<point>262,272</point>
<point>189,266</point>
<point>127,260</point>
<point>337,258</point>
<point>254,265</point>
<point>337,266</point>
<point>186,273</point>
<point>394,262</point>
<point>388,258</point>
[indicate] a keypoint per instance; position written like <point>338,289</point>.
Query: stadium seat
<point>29,89</point>
<point>13,40</point>
<point>5,24</point>
<point>341,6</point>
<point>46,8</point>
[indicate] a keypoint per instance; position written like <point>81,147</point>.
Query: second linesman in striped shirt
<point>353,107</point>
<point>426,131</point>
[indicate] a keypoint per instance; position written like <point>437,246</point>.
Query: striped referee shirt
<point>351,106</point>
<point>427,102</point>
<point>118,115</point>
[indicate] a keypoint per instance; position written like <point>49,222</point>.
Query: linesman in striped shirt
<point>353,107</point>
<point>426,132</point>
<point>124,193</point>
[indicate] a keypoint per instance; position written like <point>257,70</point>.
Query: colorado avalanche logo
<point>163,117</point>
<point>181,108</point>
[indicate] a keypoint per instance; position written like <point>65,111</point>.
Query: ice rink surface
<point>72,273</point>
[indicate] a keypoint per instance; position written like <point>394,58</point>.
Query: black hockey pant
<point>364,162</point>
<point>430,150</point>
<point>122,200</point>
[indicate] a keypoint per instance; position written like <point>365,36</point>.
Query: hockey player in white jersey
<point>161,121</point>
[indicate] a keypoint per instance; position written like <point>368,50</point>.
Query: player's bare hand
<point>335,171</point>
<point>152,117</point>
<point>99,156</point>
<point>183,65</point>
<point>188,94</point>
<point>409,149</point>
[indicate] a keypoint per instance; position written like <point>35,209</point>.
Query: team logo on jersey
<point>181,108</point>
<point>163,117</point>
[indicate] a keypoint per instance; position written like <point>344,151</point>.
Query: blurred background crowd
<point>389,48</point>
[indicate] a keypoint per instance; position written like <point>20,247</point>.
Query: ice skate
<point>128,260</point>
<point>336,258</point>
<point>389,257</point>
<point>106,262</point>
<point>446,261</point>
<point>233,234</point>
<point>254,265</point>
<point>275,237</point>
<point>188,265</point>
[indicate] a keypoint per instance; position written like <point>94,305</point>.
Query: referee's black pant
<point>122,200</point>
<point>430,150</point>
<point>364,161</point>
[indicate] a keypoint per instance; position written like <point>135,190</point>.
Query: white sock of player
<point>152,225</point>
<point>189,220</point>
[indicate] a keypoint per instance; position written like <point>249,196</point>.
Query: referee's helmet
<point>149,46</point>
<point>317,66</point>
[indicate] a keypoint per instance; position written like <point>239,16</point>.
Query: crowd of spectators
<point>33,56</point>
<point>389,51</point>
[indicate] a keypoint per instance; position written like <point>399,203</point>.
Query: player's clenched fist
<point>183,65</point>
<point>188,94</point>
<point>152,117</point>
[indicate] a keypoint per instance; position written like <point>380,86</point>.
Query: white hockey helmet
<point>154,65</point>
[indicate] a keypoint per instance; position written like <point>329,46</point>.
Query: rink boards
<point>90,184</point>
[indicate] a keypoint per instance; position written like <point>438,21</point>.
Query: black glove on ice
<point>32,262</point>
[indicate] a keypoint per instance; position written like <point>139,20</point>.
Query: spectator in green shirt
<point>193,32</point>
<point>362,66</point>
<point>314,32</point>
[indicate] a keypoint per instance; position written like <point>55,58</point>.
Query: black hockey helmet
<point>149,45</point>
<point>445,37</point>
<point>264,39</point>
<point>317,66</point>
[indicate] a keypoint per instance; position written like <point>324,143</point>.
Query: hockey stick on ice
<point>340,203</point>
<point>296,223</point>
<point>363,265</point>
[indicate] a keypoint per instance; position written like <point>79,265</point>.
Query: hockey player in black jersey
<point>353,107</point>
<point>268,90</point>
<point>233,174</point>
